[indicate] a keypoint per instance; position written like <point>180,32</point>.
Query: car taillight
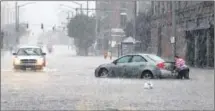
<point>161,65</point>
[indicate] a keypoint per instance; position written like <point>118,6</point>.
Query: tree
<point>82,29</point>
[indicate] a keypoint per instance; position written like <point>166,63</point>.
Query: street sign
<point>172,40</point>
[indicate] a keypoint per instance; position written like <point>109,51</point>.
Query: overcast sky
<point>48,13</point>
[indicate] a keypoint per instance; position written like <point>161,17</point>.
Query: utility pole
<point>135,15</point>
<point>96,28</point>
<point>174,27</point>
<point>17,21</point>
<point>76,10</point>
<point>87,7</point>
<point>81,9</point>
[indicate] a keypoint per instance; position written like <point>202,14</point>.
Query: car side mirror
<point>115,62</point>
<point>14,53</point>
<point>44,54</point>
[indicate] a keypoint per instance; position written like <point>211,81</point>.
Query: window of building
<point>162,7</point>
<point>168,5</point>
<point>159,10</point>
<point>179,4</point>
<point>123,4</point>
<point>165,6</point>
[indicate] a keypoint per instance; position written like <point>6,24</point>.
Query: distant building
<point>7,13</point>
<point>8,24</point>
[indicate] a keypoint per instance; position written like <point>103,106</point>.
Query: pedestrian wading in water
<point>181,68</point>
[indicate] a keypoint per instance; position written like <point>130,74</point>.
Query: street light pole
<point>135,14</point>
<point>17,7</point>
<point>87,7</point>
<point>16,21</point>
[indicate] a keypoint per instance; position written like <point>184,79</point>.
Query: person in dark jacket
<point>181,68</point>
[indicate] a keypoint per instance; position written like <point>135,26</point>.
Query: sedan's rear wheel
<point>103,73</point>
<point>147,75</point>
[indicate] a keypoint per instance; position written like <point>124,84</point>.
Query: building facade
<point>194,30</point>
<point>7,13</point>
<point>143,6</point>
<point>8,24</point>
<point>112,16</point>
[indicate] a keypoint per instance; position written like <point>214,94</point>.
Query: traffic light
<point>53,28</point>
<point>42,26</point>
<point>27,26</point>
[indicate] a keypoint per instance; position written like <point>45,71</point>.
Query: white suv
<point>29,57</point>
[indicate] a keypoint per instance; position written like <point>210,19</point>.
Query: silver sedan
<point>137,66</point>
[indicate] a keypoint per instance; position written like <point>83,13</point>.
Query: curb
<point>205,68</point>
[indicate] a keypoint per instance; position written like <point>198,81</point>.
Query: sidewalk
<point>206,68</point>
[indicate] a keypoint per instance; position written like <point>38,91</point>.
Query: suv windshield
<point>29,51</point>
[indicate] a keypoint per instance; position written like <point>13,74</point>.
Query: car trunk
<point>162,63</point>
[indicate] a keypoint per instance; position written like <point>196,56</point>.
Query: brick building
<point>194,30</point>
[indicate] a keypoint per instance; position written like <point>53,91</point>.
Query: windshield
<point>155,58</point>
<point>29,51</point>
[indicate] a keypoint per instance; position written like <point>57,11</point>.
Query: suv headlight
<point>40,61</point>
<point>16,61</point>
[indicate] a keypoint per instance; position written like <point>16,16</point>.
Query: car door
<point>136,65</point>
<point>120,65</point>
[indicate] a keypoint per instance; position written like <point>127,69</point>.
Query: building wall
<point>184,22</point>
<point>8,24</point>
<point>190,16</point>
<point>7,13</point>
<point>143,6</point>
<point>112,19</point>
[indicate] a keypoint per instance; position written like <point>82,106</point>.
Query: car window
<point>138,58</point>
<point>155,58</point>
<point>124,59</point>
<point>29,51</point>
